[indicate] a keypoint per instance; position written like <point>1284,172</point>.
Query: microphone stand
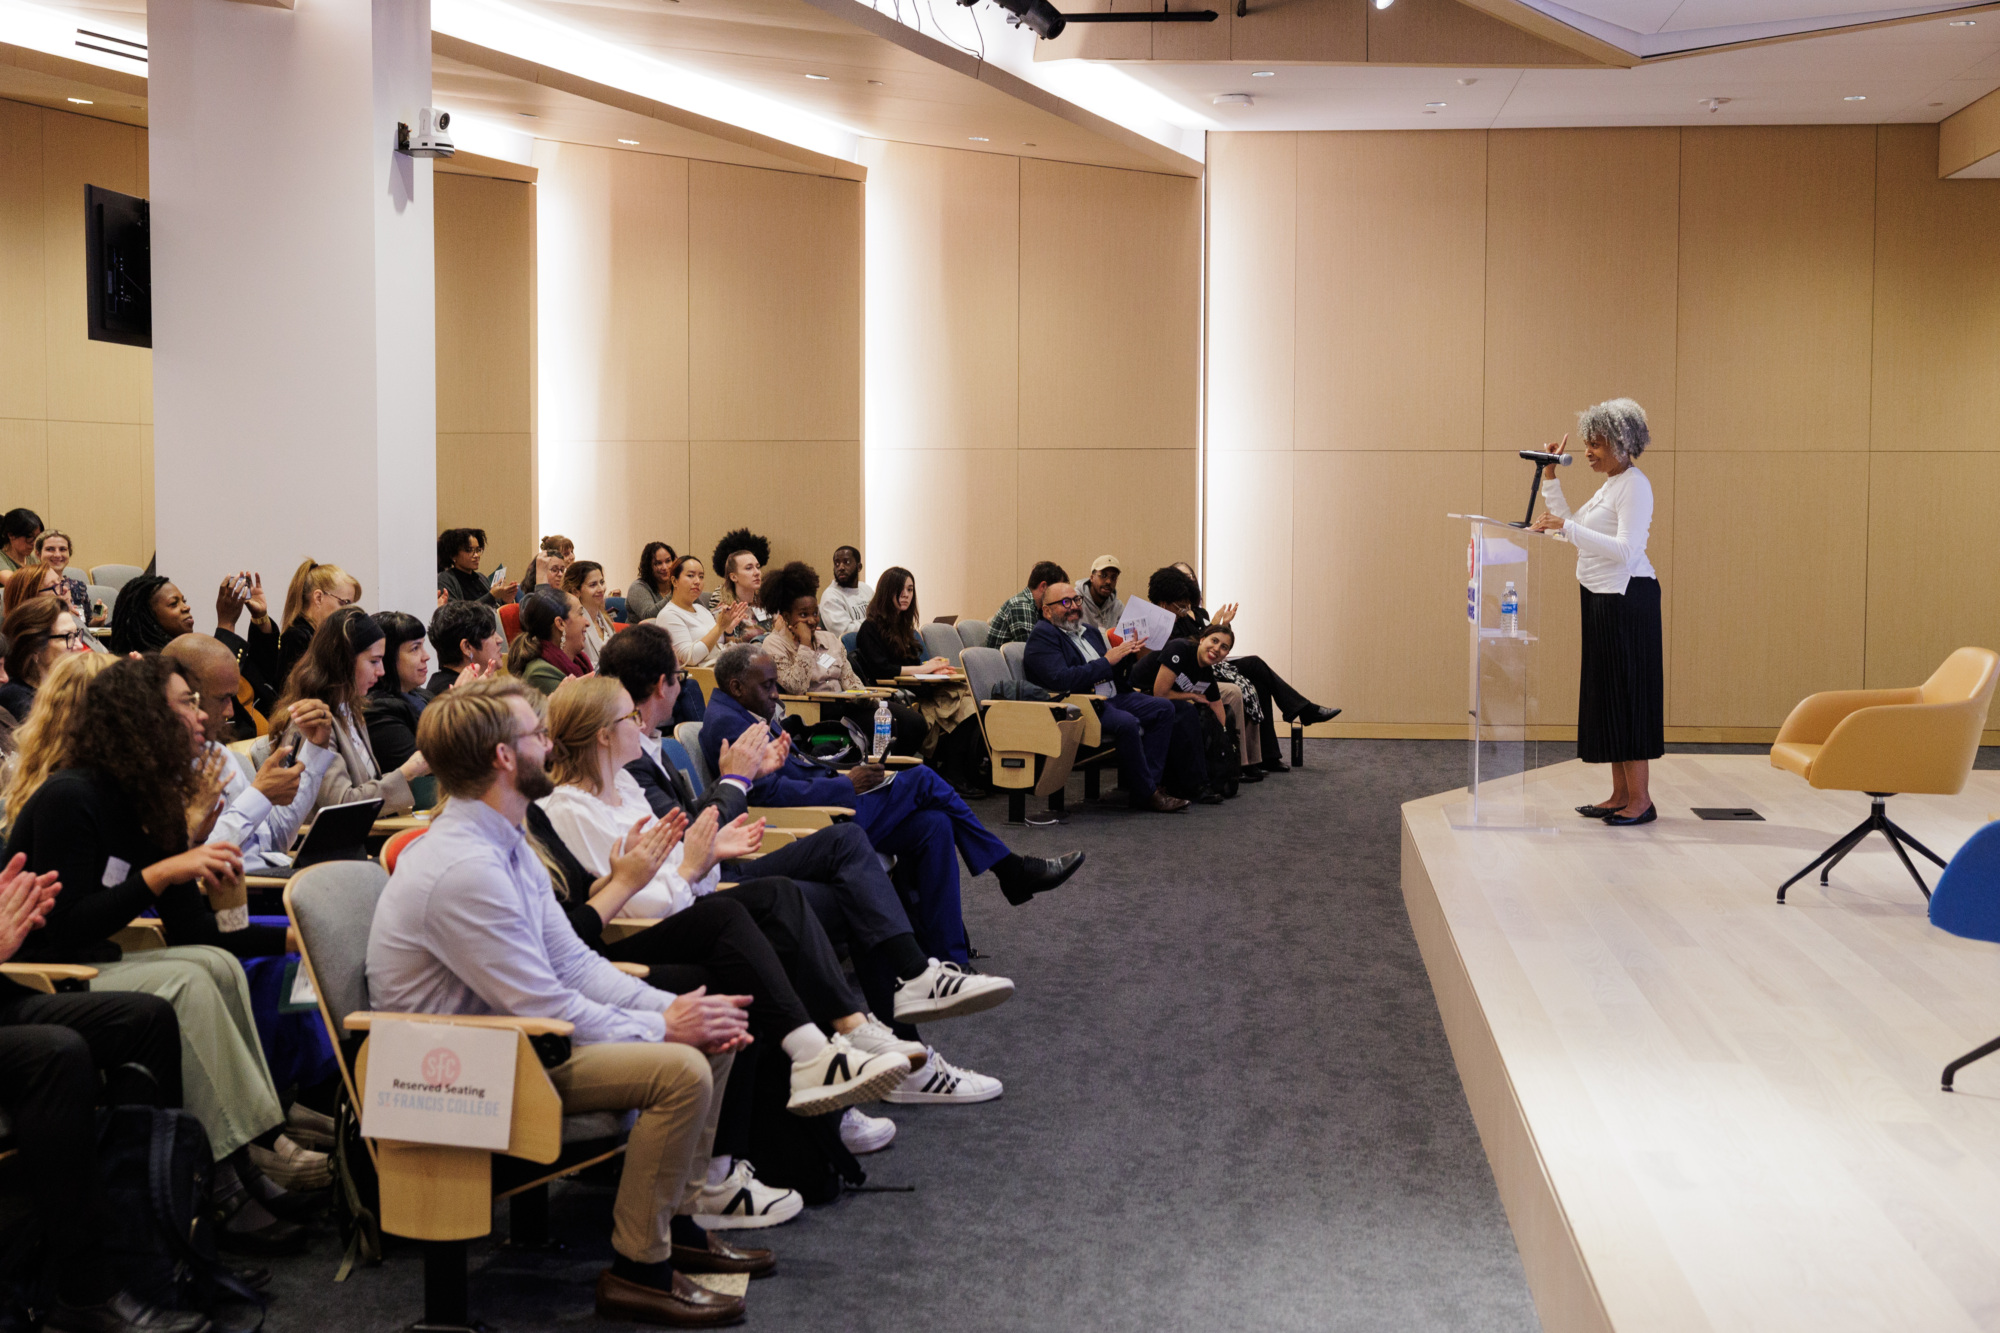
<point>1534,489</point>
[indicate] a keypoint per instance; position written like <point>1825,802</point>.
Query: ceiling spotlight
<point>83,101</point>
<point>1434,104</point>
<point>1384,4</point>
<point>1037,16</point>
<point>1715,104</point>
<point>978,138</point>
<point>1233,99</point>
<point>1263,73</point>
<point>633,142</point>
<point>821,77</point>
<point>1857,97</point>
<point>1467,83</point>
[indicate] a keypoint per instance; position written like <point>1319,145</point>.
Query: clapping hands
<point>25,900</point>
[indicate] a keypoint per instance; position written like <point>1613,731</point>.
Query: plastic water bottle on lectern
<point>1510,614</point>
<point>884,724</point>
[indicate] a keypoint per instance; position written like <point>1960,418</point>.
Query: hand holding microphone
<point>1551,459</point>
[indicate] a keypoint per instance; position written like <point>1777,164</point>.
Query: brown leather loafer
<point>688,1305</point>
<point>1162,802</point>
<point>724,1256</point>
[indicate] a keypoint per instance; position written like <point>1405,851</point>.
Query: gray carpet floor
<point>1229,1105</point>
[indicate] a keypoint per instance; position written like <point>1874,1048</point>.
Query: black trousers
<point>1272,689</point>
<point>758,939</point>
<point>52,1049</point>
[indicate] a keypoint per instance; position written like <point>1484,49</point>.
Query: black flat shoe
<point>1598,811</point>
<point>1317,713</point>
<point>1620,821</point>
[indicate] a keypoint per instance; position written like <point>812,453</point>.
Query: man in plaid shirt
<point>1018,615</point>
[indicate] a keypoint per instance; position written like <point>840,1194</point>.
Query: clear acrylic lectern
<point>1503,677</point>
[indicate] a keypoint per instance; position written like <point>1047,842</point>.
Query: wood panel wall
<point>699,355</point>
<point>486,361</point>
<point>1033,369</point>
<point>76,416</point>
<point>1810,317</point>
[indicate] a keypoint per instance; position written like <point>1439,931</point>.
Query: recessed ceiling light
<point>978,138</point>
<point>1434,104</point>
<point>83,101</point>
<point>1027,145</point>
<point>875,83</point>
<point>529,114</point>
<point>633,142</point>
<point>1263,73</point>
<point>1857,97</point>
<point>1467,83</point>
<point>1233,99</point>
<point>1964,23</point>
<point>1384,4</point>
<point>821,77</point>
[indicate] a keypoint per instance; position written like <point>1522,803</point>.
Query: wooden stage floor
<point>1703,1110</point>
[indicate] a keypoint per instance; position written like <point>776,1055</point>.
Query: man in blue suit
<point>913,815</point>
<point>1066,656</point>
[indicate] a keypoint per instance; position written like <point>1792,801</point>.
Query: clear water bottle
<point>1510,614</point>
<point>884,724</point>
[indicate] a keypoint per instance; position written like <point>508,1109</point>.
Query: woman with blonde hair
<point>316,592</point>
<point>43,742</point>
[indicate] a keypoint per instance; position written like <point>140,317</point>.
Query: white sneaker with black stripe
<point>742,1202</point>
<point>874,1035</point>
<point>946,990</point>
<point>843,1075</point>
<point>941,1083</point>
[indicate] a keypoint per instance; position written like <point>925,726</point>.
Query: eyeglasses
<point>635,717</point>
<point>1066,602</point>
<point>75,639</point>
<point>336,598</point>
<point>540,733</point>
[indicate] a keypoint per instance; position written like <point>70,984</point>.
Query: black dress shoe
<point>1250,773</point>
<point>1598,811</point>
<point>1027,876</point>
<point>1316,713</point>
<point>1208,796</point>
<point>722,1255</point>
<point>123,1313</point>
<point>1275,765</point>
<point>277,1237</point>
<point>1622,821</point>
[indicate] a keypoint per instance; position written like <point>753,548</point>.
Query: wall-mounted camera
<point>430,139</point>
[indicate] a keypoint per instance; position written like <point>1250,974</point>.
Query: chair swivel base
<point>1878,821</point>
<point>1951,1070</point>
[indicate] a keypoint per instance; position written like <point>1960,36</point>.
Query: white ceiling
<point>1661,27</point>
<point>1910,72</point>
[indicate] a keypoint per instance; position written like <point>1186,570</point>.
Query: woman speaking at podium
<point>1620,717</point>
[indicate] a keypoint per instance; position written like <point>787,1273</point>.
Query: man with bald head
<point>264,808</point>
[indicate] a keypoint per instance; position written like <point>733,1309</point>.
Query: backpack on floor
<point>794,1152</point>
<point>154,1167</point>
<point>1222,751</point>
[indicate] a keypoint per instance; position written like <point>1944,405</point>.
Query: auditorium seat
<point>1889,742</point>
<point>942,641</point>
<point>1032,746</point>
<point>1967,903</point>
<point>114,576</point>
<point>441,1196</point>
<point>510,620</point>
<point>972,633</point>
<point>688,735</point>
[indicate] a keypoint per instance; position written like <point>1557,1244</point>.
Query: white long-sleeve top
<point>470,925</point>
<point>687,629</point>
<point>591,825</point>
<point>1609,532</point>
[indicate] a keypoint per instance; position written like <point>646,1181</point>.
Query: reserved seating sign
<point>439,1083</point>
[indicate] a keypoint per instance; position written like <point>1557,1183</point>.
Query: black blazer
<point>81,825</point>
<point>874,658</point>
<point>292,645</point>
<point>667,790</point>
<point>392,726</point>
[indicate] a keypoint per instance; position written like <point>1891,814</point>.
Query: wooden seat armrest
<point>364,1020</point>
<point>800,816</point>
<point>632,969</point>
<point>49,978</point>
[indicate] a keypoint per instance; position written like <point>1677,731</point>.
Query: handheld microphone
<point>1546,459</point>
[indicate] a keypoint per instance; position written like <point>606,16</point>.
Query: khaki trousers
<point>1247,736</point>
<point>677,1092</point>
<point>225,1083</point>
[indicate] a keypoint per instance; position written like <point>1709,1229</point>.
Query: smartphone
<point>499,577</point>
<point>291,760</point>
<point>241,585</point>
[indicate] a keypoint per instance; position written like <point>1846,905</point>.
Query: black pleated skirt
<point>1620,706</point>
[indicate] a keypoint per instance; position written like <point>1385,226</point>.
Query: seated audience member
<point>648,593</point>
<point>151,613</point>
<point>39,632</point>
<point>835,867</point>
<point>396,700</point>
<point>584,580</point>
<point>811,660</point>
<point>113,824</point>
<point>469,924</point>
<point>1099,594</point>
<point>917,817</point>
<point>53,549</point>
<point>890,644</point>
<point>551,562</point>
<point>342,665</point>
<point>549,648</point>
<point>1186,669</point>
<point>1174,589</point>
<point>43,742</point>
<point>467,637</point>
<point>8,722</point>
<point>740,558</point>
<point>1153,738</point>
<point>845,604</point>
<point>18,530</point>
<point>699,634</point>
<point>316,592</point>
<point>265,807</point>
<point>257,656</point>
<point>57,1054</point>
<point>1018,615</point>
<point>459,551</point>
<point>34,579</point>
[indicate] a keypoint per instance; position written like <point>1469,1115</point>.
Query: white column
<point>294,382</point>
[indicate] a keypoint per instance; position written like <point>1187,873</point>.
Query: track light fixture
<point>1047,22</point>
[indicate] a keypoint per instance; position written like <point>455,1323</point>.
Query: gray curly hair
<point>1619,423</point>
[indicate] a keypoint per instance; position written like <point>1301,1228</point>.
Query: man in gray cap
<point>1100,594</point>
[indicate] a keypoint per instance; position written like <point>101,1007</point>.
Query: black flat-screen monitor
<point>118,257</point>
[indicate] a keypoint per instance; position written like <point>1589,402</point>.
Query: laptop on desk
<point>338,833</point>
